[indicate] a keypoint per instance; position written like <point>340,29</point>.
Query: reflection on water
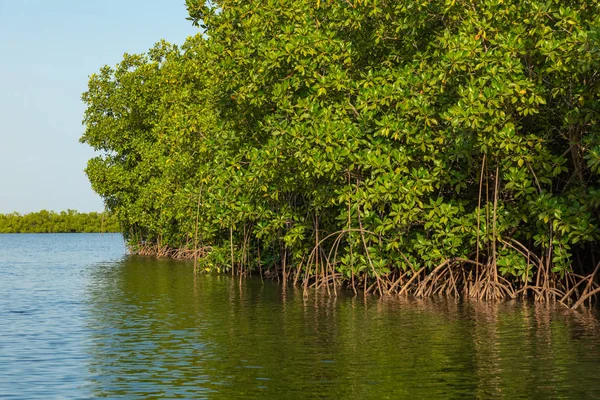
<point>80,320</point>
<point>159,331</point>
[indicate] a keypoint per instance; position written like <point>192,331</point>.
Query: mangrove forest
<point>69,221</point>
<point>446,147</point>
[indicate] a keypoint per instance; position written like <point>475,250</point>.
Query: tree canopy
<point>363,142</point>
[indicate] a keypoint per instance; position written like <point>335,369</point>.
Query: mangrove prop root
<point>458,277</point>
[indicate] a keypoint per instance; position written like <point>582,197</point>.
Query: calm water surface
<point>80,319</point>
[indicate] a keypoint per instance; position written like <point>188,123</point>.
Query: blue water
<point>44,314</point>
<point>81,319</point>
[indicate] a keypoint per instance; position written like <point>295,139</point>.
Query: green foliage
<point>430,127</point>
<point>64,222</point>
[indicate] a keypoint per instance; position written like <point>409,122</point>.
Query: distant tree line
<point>421,147</point>
<point>65,221</point>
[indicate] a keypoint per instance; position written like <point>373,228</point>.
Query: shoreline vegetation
<point>69,221</point>
<point>423,148</point>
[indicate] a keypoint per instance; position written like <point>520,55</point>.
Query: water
<point>79,319</point>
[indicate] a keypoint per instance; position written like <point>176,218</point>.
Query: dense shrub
<point>363,141</point>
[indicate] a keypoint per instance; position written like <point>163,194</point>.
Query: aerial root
<point>456,277</point>
<point>158,250</point>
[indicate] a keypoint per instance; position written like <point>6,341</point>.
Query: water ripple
<point>81,320</point>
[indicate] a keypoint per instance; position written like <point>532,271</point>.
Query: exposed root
<point>156,250</point>
<point>456,277</point>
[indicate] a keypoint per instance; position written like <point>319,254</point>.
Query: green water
<point>85,321</point>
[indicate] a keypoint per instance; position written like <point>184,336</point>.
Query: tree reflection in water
<point>158,330</point>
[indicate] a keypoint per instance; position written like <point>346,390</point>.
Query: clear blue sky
<point>47,51</point>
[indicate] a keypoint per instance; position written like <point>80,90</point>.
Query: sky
<point>48,49</point>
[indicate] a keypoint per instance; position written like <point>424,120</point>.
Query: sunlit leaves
<point>287,121</point>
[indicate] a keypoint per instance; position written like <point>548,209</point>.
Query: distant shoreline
<point>57,233</point>
<point>70,221</point>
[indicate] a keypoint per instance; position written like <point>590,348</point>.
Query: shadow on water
<point>158,330</point>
